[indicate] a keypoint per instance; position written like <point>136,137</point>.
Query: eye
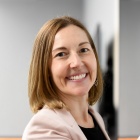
<point>84,50</point>
<point>60,54</point>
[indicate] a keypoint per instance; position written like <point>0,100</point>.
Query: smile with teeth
<point>77,77</point>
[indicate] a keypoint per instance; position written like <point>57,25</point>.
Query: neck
<point>77,105</point>
<point>79,110</point>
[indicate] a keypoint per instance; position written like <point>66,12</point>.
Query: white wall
<point>19,24</point>
<point>129,106</point>
<point>100,12</point>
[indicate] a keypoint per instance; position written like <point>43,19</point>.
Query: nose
<point>75,61</point>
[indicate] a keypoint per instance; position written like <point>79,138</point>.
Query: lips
<point>77,77</point>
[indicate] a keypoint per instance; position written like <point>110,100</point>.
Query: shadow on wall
<point>106,105</point>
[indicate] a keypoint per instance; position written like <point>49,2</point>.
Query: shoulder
<point>44,113</point>
<point>42,117</point>
<point>45,124</point>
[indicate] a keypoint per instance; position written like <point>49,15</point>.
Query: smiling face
<point>73,65</point>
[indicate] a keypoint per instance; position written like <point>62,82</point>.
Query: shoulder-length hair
<point>41,88</point>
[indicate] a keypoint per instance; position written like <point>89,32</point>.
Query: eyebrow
<point>82,43</point>
<point>64,48</point>
<point>59,48</point>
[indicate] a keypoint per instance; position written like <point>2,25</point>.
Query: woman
<point>64,81</point>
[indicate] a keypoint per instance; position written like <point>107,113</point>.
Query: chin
<point>81,93</point>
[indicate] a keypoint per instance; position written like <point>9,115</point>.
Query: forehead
<point>70,29</point>
<point>70,34</point>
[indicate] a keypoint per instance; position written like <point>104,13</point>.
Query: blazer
<point>57,124</point>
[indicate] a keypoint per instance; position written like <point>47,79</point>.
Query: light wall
<point>99,13</point>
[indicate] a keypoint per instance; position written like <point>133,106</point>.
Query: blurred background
<point>115,28</point>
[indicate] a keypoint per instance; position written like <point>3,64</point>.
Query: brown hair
<point>41,88</point>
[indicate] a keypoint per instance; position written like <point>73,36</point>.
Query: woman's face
<point>74,66</point>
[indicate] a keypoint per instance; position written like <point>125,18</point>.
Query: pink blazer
<point>57,124</point>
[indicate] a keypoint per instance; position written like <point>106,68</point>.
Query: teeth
<point>77,77</point>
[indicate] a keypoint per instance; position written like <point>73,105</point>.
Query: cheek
<point>57,70</point>
<point>93,66</point>
<point>93,63</point>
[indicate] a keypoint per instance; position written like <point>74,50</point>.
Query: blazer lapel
<point>68,118</point>
<point>99,121</point>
